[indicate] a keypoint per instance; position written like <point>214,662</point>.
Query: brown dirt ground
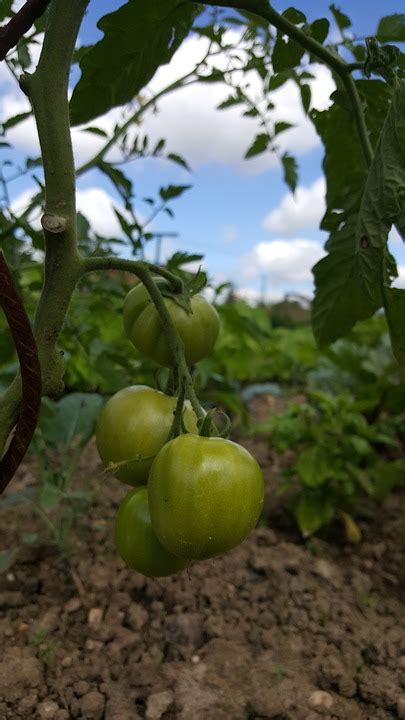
<point>277,628</point>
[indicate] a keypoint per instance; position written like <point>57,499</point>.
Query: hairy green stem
<point>47,90</point>
<point>263,9</point>
<point>111,262</point>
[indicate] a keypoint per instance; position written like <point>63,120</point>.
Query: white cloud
<point>187,118</point>
<point>193,127</point>
<point>298,212</point>
<point>284,261</point>
<point>93,202</point>
<point>97,206</point>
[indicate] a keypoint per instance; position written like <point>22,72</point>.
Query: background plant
<point>363,137</point>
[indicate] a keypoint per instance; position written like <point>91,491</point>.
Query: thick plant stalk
<point>47,90</point>
<point>26,347</point>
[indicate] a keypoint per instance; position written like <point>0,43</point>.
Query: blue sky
<point>238,214</point>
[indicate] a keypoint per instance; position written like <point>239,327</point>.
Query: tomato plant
<point>132,427</point>
<point>205,495</point>
<point>197,327</point>
<point>136,542</point>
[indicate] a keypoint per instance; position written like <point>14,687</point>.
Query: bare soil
<point>277,628</point>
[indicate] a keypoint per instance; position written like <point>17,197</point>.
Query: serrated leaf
<point>138,38</point>
<point>383,201</point>
<point>172,191</point>
<point>281,126</point>
<point>287,53</point>
<point>182,258</point>
<point>340,298</point>
<point>124,224</point>
<point>11,122</point>
<point>179,160</point>
<point>290,171</point>
<point>305,91</point>
<point>295,16</point>
<point>392,28</point>
<point>259,145</point>
<point>342,20</point>
<point>278,79</point>
<point>95,131</point>
<point>159,146</point>
<point>229,102</point>
<point>5,9</point>
<point>319,29</point>
<point>117,177</point>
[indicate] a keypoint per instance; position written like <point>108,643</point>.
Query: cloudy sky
<point>238,214</point>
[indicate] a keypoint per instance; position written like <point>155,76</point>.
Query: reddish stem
<point>20,24</point>
<point>26,347</point>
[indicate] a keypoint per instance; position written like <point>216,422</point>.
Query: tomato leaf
<point>313,466</point>
<point>138,38</point>
<point>319,29</point>
<point>340,298</point>
<point>313,511</point>
<point>342,20</point>
<point>172,191</point>
<point>290,171</point>
<point>11,122</point>
<point>259,145</point>
<point>287,54</point>
<point>392,28</point>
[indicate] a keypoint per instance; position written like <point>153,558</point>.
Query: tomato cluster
<point>193,496</point>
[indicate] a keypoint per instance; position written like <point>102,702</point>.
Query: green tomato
<point>205,495</point>
<point>136,542</point>
<point>136,422</point>
<point>198,329</point>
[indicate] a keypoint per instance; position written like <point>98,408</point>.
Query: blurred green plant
<point>347,438</point>
<point>63,431</point>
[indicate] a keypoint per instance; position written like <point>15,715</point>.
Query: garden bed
<point>277,628</point>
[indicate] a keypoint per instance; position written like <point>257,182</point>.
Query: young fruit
<point>136,542</point>
<point>205,495</point>
<point>198,329</point>
<point>136,422</point>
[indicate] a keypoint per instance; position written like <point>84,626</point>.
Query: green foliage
<point>138,38</point>
<point>347,436</point>
<point>63,431</point>
<point>392,28</point>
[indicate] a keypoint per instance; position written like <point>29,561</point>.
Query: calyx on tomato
<point>205,495</point>
<point>198,327</point>
<point>133,426</point>
<point>136,542</point>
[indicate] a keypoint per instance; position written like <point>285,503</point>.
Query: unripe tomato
<point>205,495</point>
<point>136,421</point>
<point>136,542</point>
<point>198,329</point>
